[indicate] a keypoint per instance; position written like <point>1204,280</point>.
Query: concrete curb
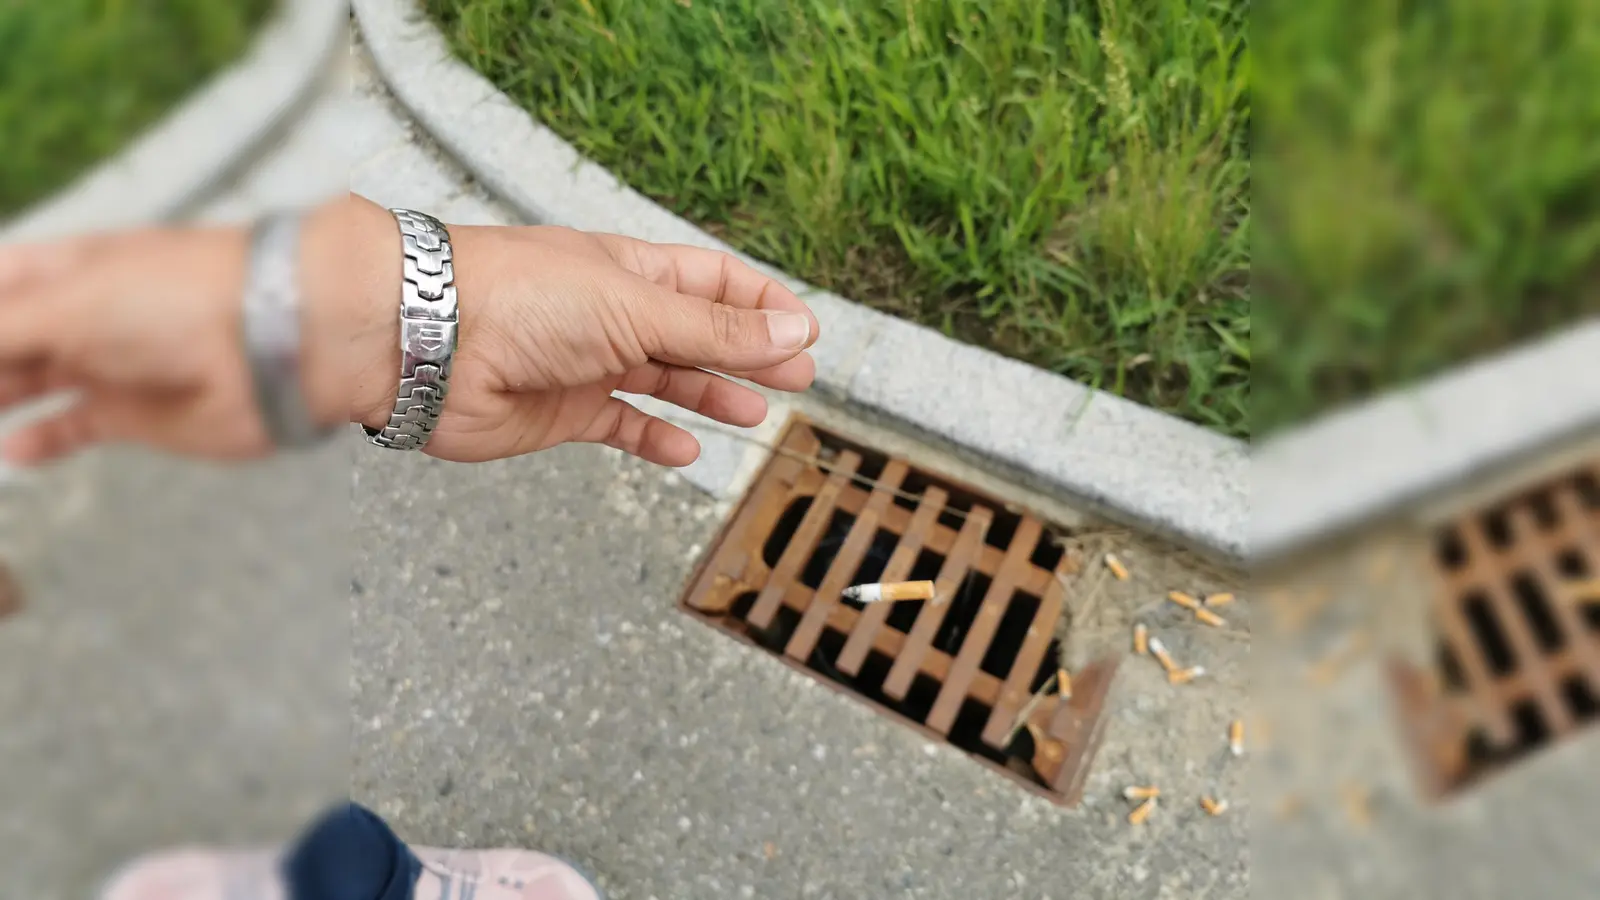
<point>1124,460</point>
<point>1412,445</point>
<point>192,151</point>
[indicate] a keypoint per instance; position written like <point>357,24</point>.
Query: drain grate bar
<point>1016,689</point>
<point>932,614</point>
<point>985,688</point>
<point>805,541</point>
<point>1511,622</point>
<point>1580,536</point>
<point>899,569</point>
<point>976,644</point>
<point>941,538</point>
<point>846,563</point>
<point>827,512</point>
<point>1519,663</point>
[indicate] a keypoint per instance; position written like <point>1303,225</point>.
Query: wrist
<point>352,260</point>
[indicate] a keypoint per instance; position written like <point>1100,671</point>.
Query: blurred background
<point>1429,191</point>
<point>82,78</point>
<point>174,637</point>
<point>1257,217</point>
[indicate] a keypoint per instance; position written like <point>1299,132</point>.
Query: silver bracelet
<point>427,332</point>
<point>271,320</point>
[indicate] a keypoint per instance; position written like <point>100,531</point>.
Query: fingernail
<point>788,330</point>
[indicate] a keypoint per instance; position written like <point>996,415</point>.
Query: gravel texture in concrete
<point>523,678</point>
<point>179,672</point>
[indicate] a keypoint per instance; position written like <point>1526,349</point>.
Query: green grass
<point>1062,180</point>
<point>1428,177</point>
<point>80,78</point>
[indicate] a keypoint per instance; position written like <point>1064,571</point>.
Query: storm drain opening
<point>828,512</point>
<point>1518,619</point>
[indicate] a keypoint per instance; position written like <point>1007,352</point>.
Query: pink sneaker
<point>498,875</point>
<point>446,875</point>
<point>198,874</point>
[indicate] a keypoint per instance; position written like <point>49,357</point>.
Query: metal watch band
<point>427,332</point>
<point>271,321</point>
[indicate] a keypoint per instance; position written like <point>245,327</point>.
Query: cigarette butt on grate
<point>1184,676</point>
<point>1213,806</point>
<point>1585,591</point>
<point>1116,567</point>
<point>889,591</point>
<point>1141,639</point>
<point>1236,737</point>
<point>1140,792</point>
<point>1064,684</point>
<point>1159,651</point>
<point>1209,617</point>
<point>1184,600</point>
<point>1142,812</point>
<point>1218,599</point>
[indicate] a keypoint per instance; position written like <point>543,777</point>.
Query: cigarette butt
<point>1218,599</point>
<point>1210,618</point>
<point>1141,639</point>
<point>1183,600</point>
<point>1184,676</point>
<point>1236,737</point>
<point>1159,651</point>
<point>1140,792</point>
<point>1213,806</point>
<point>1116,567</point>
<point>1064,684</point>
<point>1142,812</point>
<point>890,592</point>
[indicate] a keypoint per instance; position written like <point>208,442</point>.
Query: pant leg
<point>350,854</point>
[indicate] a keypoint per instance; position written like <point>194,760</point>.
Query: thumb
<point>692,331</point>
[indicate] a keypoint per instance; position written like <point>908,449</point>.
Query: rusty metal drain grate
<point>827,512</point>
<point>1519,655</point>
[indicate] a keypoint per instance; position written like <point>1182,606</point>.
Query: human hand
<point>144,326</point>
<point>554,320</point>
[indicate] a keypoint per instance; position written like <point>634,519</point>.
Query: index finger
<point>712,274</point>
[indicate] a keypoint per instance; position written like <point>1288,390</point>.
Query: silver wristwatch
<point>427,332</point>
<point>272,326</point>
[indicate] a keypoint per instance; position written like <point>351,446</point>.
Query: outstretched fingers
<point>698,391</point>
<point>725,280</point>
<point>85,423</point>
<point>618,424</point>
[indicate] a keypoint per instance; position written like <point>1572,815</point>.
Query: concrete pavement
<point>518,675</point>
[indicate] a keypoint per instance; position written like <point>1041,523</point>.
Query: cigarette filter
<point>890,591</point>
